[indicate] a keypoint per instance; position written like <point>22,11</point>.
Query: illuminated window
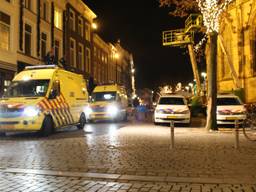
<point>80,62</point>
<point>57,18</point>
<point>72,53</point>
<point>80,26</point>
<point>87,32</point>
<point>5,21</point>
<point>88,60</point>
<point>72,20</point>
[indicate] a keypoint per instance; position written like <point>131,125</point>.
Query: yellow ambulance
<point>108,102</point>
<point>43,98</point>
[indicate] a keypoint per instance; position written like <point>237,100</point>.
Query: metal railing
<point>176,38</point>
<point>193,23</point>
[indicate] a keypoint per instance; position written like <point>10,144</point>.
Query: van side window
<point>56,86</point>
<point>55,91</point>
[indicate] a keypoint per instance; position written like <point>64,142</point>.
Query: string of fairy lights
<point>211,11</point>
<point>198,46</point>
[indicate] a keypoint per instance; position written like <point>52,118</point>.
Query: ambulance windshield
<point>31,88</point>
<point>104,96</point>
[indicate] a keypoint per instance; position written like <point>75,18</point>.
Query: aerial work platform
<point>183,37</point>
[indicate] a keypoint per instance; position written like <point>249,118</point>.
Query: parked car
<point>172,107</point>
<point>230,108</point>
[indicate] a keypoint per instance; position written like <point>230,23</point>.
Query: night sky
<point>139,25</point>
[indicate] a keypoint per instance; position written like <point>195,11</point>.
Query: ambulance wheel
<point>155,123</point>
<point>82,121</point>
<point>47,126</point>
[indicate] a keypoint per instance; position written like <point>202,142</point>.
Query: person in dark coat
<point>50,58</point>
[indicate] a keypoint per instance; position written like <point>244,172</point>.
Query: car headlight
<point>159,111</point>
<point>88,111</point>
<point>112,110</point>
<point>31,111</point>
<point>185,112</point>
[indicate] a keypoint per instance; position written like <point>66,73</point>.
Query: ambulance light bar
<point>41,67</point>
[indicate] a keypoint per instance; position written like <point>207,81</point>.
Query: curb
<point>119,177</point>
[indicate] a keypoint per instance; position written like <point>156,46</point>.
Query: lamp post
<point>204,75</point>
<point>191,85</point>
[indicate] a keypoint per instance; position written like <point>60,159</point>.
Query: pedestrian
<point>50,58</point>
<point>62,63</point>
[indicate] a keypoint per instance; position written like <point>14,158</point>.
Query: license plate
<point>171,117</point>
<point>231,118</point>
<point>6,126</point>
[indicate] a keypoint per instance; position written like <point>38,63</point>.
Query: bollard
<point>172,134</point>
<point>236,134</point>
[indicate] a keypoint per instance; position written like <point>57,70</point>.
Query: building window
<point>43,45</point>
<point>72,53</point>
<point>80,26</point>
<point>80,57</point>
<point>87,32</point>
<point>5,22</point>
<point>253,44</point>
<point>44,11</point>
<point>88,60</point>
<point>28,4</point>
<point>58,18</point>
<point>95,70</point>
<point>227,36</point>
<point>94,52</point>
<point>72,20</point>
<point>28,34</point>
<point>57,49</point>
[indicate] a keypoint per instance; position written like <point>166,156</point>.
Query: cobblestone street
<point>28,182</point>
<point>127,157</point>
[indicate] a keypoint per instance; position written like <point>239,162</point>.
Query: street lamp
<point>94,26</point>
<point>204,75</point>
<point>191,85</point>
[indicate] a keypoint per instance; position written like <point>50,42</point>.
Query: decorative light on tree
<point>200,44</point>
<point>211,10</point>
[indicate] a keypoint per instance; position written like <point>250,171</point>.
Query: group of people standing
<point>51,59</point>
